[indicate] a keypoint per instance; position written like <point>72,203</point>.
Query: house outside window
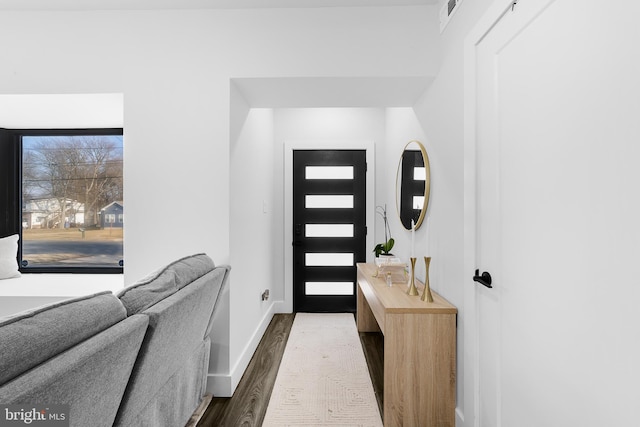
<point>110,212</point>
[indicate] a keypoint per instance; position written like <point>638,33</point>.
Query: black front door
<point>329,228</point>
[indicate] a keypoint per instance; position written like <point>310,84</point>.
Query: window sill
<point>60,285</point>
<point>34,290</point>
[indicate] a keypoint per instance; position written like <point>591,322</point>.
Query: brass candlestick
<point>412,284</point>
<point>426,295</point>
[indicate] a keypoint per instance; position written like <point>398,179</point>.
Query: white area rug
<point>323,378</point>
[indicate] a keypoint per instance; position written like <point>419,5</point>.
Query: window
<point>64,193</point>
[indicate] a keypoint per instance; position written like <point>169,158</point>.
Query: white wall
<point>329,124</point>
<point>174,69</point>
<point>441,113</point>
<point>254,238</point>
<point>52,111</point>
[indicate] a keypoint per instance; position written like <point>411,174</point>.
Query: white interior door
<point>556,143</point>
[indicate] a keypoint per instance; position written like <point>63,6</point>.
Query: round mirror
<point>413,184</point>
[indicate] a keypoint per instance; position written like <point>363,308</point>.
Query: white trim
<point>289,146</point>
<point>224,385</point>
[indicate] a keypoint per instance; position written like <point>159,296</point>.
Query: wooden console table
<point>419,350</point>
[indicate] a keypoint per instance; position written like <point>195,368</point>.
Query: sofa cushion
<point>8,254</point>
<point>33,336</point>
<point>165,408</point>
<point>164,282</point>
<point>90,377</point>
<point>177,328</point>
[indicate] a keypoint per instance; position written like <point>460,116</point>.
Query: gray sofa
<point>136,359</point>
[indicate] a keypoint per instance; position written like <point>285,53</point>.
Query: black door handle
<point>484,279</point>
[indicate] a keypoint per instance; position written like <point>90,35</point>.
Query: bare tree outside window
<point>71,184</point>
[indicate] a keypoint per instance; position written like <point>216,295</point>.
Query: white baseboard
<point>459,417</point>
<point>221,385</point>
<point>282,307</point>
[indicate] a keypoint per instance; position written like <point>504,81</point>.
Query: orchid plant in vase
<point>385,247</point>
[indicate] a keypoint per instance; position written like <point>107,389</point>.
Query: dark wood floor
<point>249,403</point>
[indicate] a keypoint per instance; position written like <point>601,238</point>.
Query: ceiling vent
<point>447,9</point>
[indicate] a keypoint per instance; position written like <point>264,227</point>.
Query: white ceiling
<point>196,4</point>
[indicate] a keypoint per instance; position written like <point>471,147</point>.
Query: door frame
<point>319,144</point>
<point>468,416</point>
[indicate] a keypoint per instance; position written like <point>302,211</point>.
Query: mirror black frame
<point>407,187</point>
